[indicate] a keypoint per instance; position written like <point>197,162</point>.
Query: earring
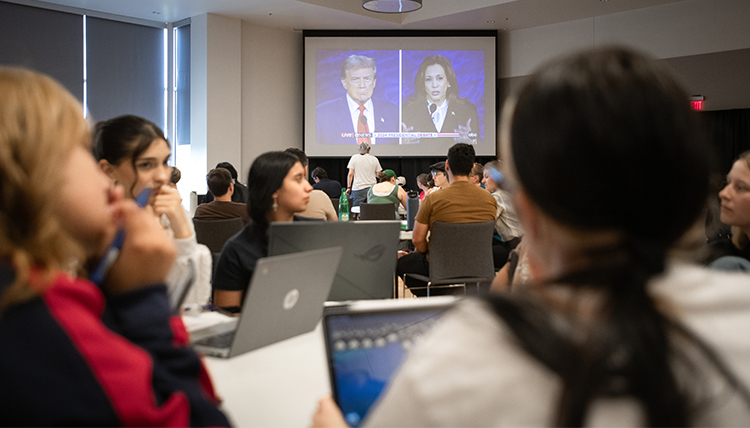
<point>275,204</point>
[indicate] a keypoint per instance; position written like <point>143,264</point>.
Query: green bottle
<point>343,206</point>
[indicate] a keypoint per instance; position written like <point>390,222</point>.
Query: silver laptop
<point>285,298</point>
<point>368,265</point>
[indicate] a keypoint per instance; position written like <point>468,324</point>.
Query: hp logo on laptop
<point>291,299</point>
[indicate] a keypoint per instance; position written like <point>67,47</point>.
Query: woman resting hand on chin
<point>133,152</point>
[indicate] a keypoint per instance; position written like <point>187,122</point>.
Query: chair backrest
<point>460,250</point>
<point>214,233</point>
<point>377,211</point>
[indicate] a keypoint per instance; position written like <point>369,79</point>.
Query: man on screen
<point>357,111</point>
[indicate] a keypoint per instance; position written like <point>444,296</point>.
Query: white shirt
<point>438,118</point>
<point>369,113</point>
<point>469,370</point>
<point>365,167</point>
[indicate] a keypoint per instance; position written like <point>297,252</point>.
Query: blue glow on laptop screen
<point>367,350</point>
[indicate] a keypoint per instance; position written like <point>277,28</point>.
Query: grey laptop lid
<point>285,299</point>
<point>368,264</point>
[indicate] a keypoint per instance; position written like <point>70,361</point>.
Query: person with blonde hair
<point>75,353</point>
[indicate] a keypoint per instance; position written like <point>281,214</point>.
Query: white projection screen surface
<point>424,94</point>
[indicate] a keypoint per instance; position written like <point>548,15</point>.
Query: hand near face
<point>147,253</point>
<point>463,132</point>
<point>167,201</point>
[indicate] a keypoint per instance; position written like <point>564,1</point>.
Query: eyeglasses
<point>435,173</point>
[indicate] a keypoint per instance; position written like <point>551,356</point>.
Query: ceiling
<point>505,15</point>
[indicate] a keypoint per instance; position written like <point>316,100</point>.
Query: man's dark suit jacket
<point>459,112</point>
<point>333,117</point>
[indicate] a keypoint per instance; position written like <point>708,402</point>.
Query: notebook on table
<point>285,298</point>
<point>367,341</point>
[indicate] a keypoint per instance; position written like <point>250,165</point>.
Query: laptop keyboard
<point>223,340</point>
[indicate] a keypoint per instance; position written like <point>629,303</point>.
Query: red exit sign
<point>696,102</point>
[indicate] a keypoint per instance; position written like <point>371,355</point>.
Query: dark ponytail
<point>625,154</point>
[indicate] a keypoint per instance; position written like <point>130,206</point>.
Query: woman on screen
<point>436,106</point>
<point>278,189</point>
<point>76,353</point>
<point>612,332</point>
<point>134,153</point>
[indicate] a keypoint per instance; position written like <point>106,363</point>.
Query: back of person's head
<point>176,176</point>
<point>461,159</point>
<point>425,180</point>
<point>266,176</point>
<point>477,169</point>
<point>299,153</point>
<point>229,167</point>
<point>40,125</point>
<point>626,128</point>
<point>319,173</point>
<point>219,180</point>
<point>380,176</point>
<point>603,143</point>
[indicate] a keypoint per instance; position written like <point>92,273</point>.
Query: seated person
<point>175,177</point>
<point>461,202</point>
<point>220,183</point>
<point>439,177</point>
<point>734,253</point>
<point>508,230</point>
<point>77,353</point>
<point>476,175</point>
<point>320,206</point>
<point>278,190</point>
<point>611,333</point>
<point>425,184</point>
<point>240,190</point>
<point>322,182</point>
<point>134,153</point>
<point>386,191</point>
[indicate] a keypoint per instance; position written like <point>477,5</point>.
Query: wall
<point>272,91</point>
<point>706,41</point>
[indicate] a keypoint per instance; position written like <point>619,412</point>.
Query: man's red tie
<point>362,127</point>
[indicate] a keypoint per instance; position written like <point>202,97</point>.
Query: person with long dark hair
<point>134,153</point>
<point>278,189</point>
<point>610,331</point>
<point>436,105</point>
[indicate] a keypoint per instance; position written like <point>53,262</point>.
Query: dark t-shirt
<point>725,247</point>
<point>238,258</point>
<point>331,187</point>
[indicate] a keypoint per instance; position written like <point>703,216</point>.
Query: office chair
<point>377,212</point>
<point>214,233</point>
<point>460,253</point>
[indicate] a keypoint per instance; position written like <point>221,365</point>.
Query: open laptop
<point>285,299</point>
<point>368,264</point>
<point>367,341</point>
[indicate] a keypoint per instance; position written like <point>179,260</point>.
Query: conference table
<point>275,386</point>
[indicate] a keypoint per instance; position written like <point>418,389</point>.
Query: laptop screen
<point>366,348</point>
